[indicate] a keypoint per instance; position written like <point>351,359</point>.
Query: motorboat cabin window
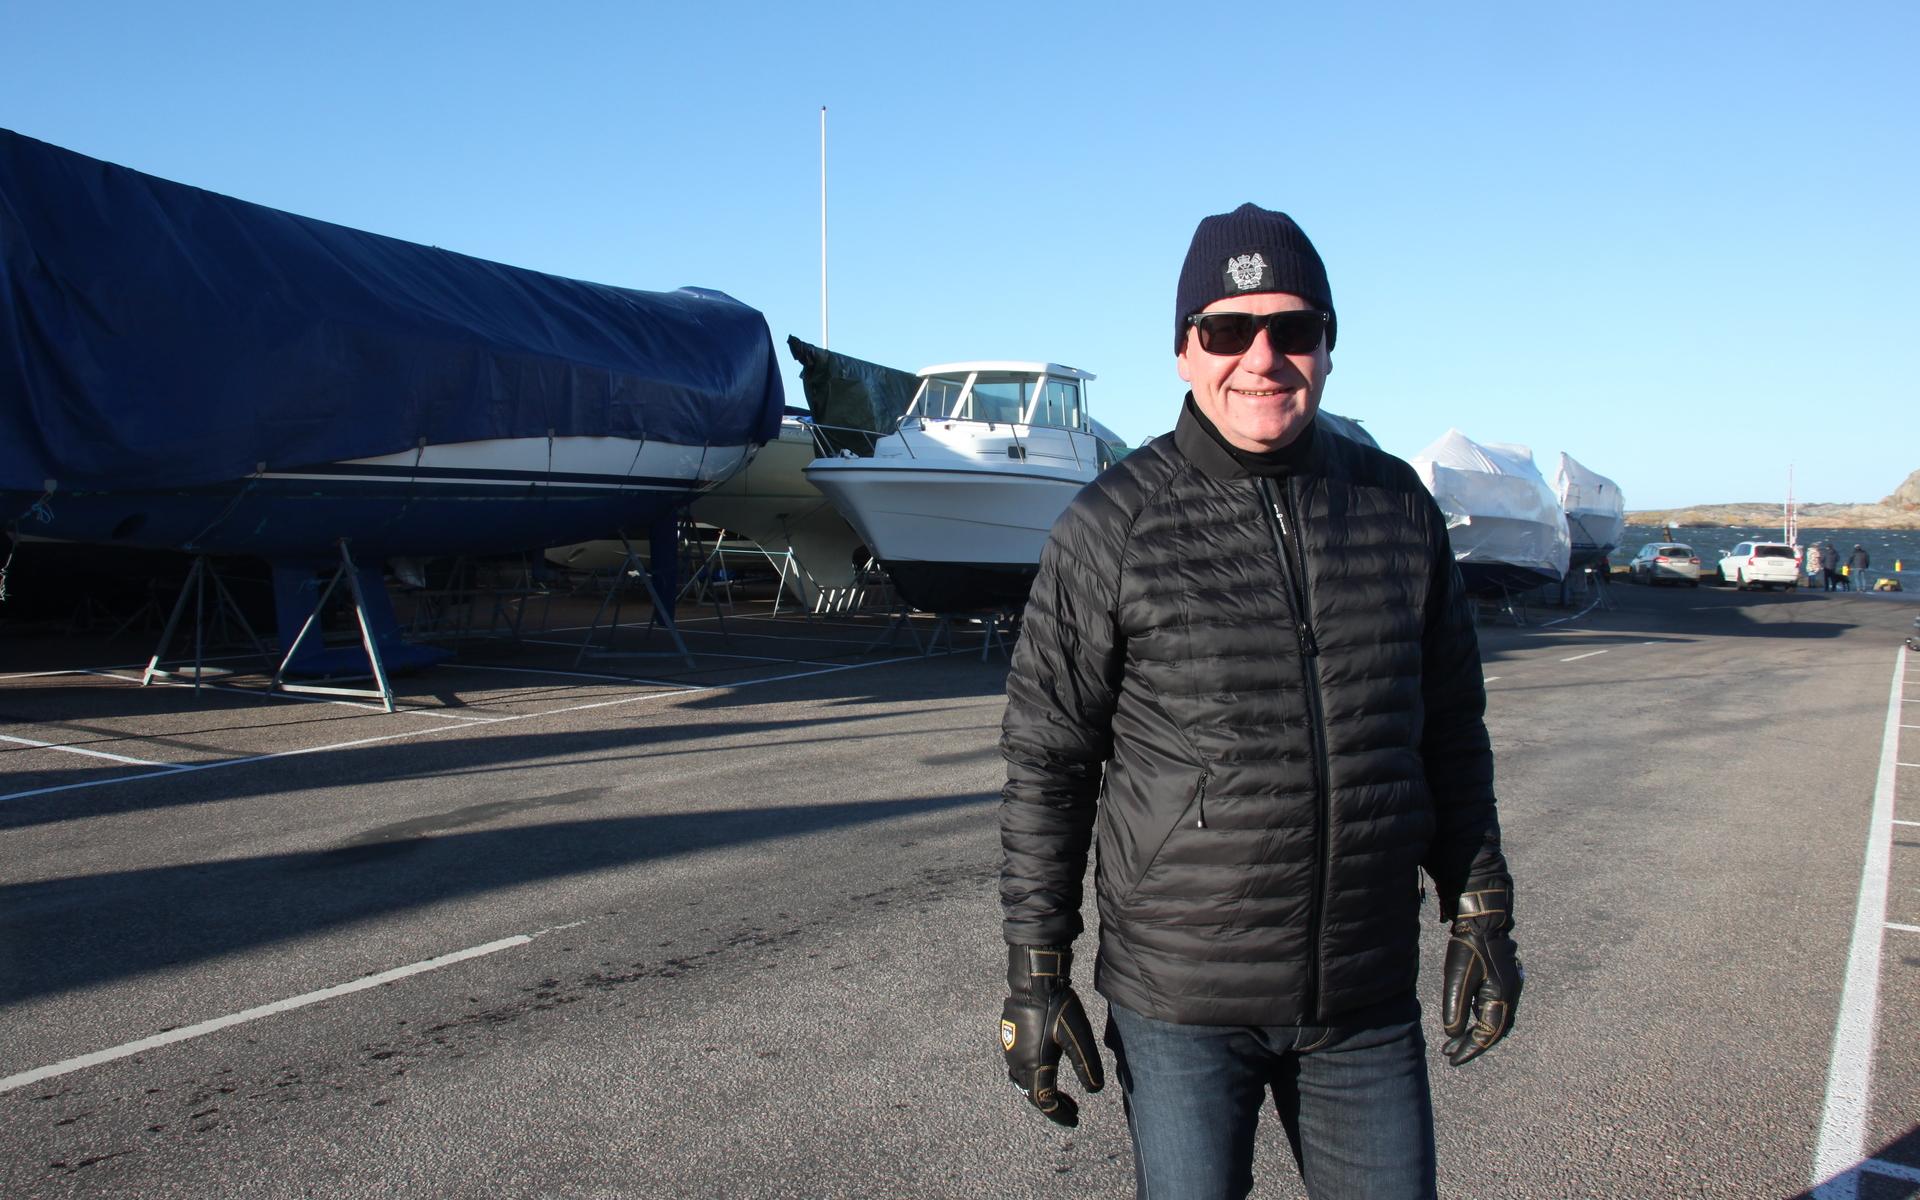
<point>1059,404</point>
<point>940,398</point>
<point>1000,398</point>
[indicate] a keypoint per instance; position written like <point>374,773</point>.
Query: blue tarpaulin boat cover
<point>158,335</point>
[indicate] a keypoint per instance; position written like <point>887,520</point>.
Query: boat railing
<point>836,441</point>
<point>1025,445</point>
<point>839,441</point>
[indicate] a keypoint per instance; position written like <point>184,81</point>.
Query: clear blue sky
<point>1674,240</point>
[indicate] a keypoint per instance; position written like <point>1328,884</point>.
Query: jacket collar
<point>1200,444</point>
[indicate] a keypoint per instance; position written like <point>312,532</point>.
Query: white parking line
<point>1907,822</point>
<point>132,666</point>
<point>203,1028</point>
<point>50,674</point>
<point>446,716</point>
<point>1843,1118</point>
<point>119,758</point>
<point>460,666</point>
<point>184,768</point>
<point>1903,928</point>
<point>1578,657</point>
<point>256,693</point>
<point>1491,679</point>
<point>263,694</point>
<point>775,637</point>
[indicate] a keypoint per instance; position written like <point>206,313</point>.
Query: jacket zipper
<point>1277,509</point>
<point>1200,803</point>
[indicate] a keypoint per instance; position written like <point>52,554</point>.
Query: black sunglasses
<point>1293,331</point>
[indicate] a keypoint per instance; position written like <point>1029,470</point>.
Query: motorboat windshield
<point>1013,394</point>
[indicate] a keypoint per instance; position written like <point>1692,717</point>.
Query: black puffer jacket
<point>1264,788</point>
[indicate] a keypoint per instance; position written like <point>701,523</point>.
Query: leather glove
<point>1482,978</point>
<point>1041,1019</point>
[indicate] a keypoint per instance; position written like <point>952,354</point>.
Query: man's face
<point>1257,399</point>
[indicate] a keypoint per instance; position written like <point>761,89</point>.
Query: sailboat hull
<point>470,498</point>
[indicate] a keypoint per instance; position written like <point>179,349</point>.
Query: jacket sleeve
<point>1454,744</point>
<point>1057,733</point>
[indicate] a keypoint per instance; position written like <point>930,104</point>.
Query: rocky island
<point>1900,510</point>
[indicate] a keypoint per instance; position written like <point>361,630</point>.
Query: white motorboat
<point>1508,530</point>
<point>957,502</point>
<point>1596,512</point>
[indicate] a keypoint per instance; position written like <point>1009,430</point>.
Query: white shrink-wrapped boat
<point>1508,530</point>
<point>1596,512</point>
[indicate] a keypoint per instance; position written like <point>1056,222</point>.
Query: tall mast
<point>823,227</point>
<point>1793,515</point>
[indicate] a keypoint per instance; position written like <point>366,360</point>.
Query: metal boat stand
<point>901,617</point>
<point>196,587</point>
<point>993,622</point>
<point>633,565</point>
<point>452,610</point>
<point>789,566</point>
<point>1593,586</point>
<point>384,692</point>
<point>869,580</point>
<point>1508,604</point>
<point>712,576</point>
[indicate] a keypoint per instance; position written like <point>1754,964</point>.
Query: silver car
<point>1665,562</point>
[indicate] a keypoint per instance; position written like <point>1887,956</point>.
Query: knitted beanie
<point>1250,249</point>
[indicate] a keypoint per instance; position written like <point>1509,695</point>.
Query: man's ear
<point>1180,360</point>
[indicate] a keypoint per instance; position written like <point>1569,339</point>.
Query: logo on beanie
<point>1249,273</point>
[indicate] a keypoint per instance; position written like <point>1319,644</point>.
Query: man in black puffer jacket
<point>1248,672</point>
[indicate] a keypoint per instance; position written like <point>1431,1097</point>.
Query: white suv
<point>1760,565</point>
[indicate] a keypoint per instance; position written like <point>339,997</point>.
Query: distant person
<point>1830,565</point>
<point>1248,677</point>
<point>1816,566</point>
<point>1857,564</point>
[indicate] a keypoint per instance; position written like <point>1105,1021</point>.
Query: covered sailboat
<point>183,370</point>
<point>1508,530</point>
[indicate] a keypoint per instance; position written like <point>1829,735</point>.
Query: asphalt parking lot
<point>625,927</point>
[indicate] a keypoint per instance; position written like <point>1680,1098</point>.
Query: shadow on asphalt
<point>1903,1151</point>
<point>64,934</point>
<point>478,751</point>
